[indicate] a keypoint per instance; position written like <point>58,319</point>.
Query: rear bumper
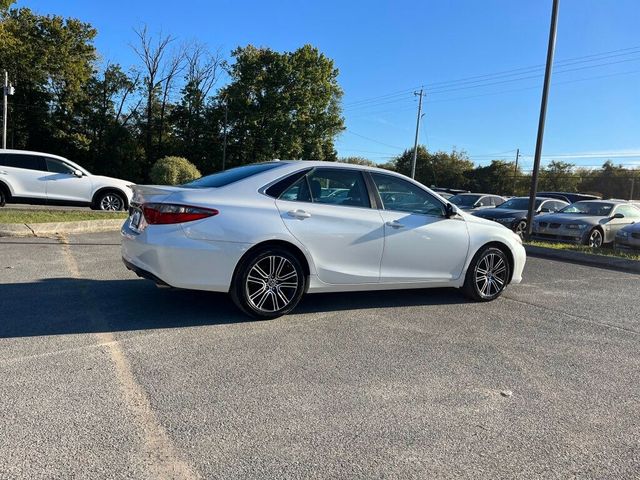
<point>164,254</point>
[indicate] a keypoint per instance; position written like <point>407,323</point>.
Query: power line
<point>485,80</point>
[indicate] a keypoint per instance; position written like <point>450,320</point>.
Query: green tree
<point>281,105</point>
<point>499,177</point>
<point>358,161</point>
<point>558,176</point>
<point>173,171</point>
<point>441,169</point>
<point>50,59</point>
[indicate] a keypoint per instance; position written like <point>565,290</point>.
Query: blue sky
<point>385,50</point>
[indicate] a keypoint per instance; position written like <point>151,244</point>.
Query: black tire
<point>595,239</point>
<point>521,228</point>
<point>268,283</point>
<point>484,287</point>
<point>3,197</point>
<point>110,201</point>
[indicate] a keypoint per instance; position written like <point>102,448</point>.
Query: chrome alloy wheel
<point>490,275</point>
<point>272,283</point>
<point>111,201</point>
<point>595,238</point>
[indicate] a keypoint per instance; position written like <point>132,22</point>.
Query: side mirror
<point>78,173</point>
<point>618,215</point>
<point>449,210</point>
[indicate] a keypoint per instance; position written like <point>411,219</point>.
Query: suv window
<point>56,166</point>
<point>335,186</point>
<point>402,196</point>
<point>28,162</point>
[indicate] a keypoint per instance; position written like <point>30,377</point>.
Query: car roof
<point>616,202</point>
<point>30,152</point>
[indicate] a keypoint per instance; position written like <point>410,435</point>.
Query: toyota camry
<point>267,233</point>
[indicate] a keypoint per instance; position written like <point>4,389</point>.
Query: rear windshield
<point>519,204</point>
<point>465,200</point>
<point>221,179</point>
<point>589,208</point>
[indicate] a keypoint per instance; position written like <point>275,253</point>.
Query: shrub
<point>173,171</point>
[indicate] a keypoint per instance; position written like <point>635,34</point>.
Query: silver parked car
<point>589,222</point>
<point>628,238</point>
<point>475,201</point>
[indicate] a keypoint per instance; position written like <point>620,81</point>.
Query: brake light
<point>166,213</point>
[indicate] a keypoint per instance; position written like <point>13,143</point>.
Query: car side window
<point>628,211</point>
<point>483,202</point>
<point>338,186</point>
<point>402,196</point>
<point>56,166</point>
<point>498,201</point>
<point>28,162</point>
<point>334,186</point>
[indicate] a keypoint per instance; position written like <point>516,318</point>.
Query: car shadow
<point>62,306</point>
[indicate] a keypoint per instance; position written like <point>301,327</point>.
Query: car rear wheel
<point>110,201</point>
<point>595,238</point>
<point>3,198</point>
<point>269,283</point>
<point>521,228</point>
<point>487,275</point>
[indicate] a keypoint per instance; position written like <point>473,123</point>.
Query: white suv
<point>41,178</point>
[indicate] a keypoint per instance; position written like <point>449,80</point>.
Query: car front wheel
<point>269,283</point>
<point>487,275</point>
<point>595,238</point>
<point>110,201</point>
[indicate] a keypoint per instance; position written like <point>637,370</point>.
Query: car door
<point>25,173</point>
<point>421,243</point>
<point>64,185</point>
<point>329,211</point>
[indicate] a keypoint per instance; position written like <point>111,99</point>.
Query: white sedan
<point>269,232</point>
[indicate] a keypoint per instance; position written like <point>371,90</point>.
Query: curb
<point>47,229</point>
<point>601,261</point>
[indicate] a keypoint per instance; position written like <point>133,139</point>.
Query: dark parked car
<point>475,201</point>
<point>513,213</point>
<point>591,222</point>
<point>568,197</point>
<point>628,238</point>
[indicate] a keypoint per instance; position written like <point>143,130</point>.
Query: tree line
<point>119,121</point>
<point>456,170</point>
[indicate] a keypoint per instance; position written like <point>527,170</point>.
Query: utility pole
<point>543,113</point>
<point>224,144</point>
<point>515,172</point>
<point>415,143</point>
<point>633,180</point>
<point>5,91</point>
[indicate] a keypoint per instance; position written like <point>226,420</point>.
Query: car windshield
<point>519,204</point>
<point>464,200</point>
<point>221,179</point>
<point>597,209</point>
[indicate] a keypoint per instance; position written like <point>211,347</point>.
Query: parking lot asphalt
<point>106,376</point>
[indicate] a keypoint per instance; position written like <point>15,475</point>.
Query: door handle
<point>299,214</point>
<point>395,224</point>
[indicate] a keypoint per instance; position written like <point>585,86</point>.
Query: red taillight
<point>166,213</point>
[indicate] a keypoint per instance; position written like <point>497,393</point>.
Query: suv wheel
<point>110,201</point>
<point>3,198</point>
<point>269,283</point>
